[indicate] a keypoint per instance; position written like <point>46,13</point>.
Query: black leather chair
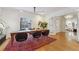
<point>74,30</point>
<point>21,37</point>
<point>45,32</point>
<point>36,34</point>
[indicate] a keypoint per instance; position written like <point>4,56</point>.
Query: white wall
<point>0,11</point>
<point>57,21</point>
<point>36,19</point>
<point>78,27</point>
<point>62,24</point>
<point>56,24</point>
<point>12,18</point>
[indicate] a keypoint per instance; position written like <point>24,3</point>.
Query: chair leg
<point>45,37</point>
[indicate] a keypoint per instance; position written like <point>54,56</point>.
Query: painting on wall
<point>25,23</point>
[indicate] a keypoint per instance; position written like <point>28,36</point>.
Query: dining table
<point>13,34</point>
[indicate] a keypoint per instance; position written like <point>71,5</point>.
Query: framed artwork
<point>25,22</point>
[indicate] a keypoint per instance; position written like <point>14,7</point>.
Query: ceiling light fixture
<point>69,16</point>
<point>34,9</point>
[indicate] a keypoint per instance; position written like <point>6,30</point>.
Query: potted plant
<point>43,25</point>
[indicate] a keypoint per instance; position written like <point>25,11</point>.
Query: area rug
<point>29,45</point>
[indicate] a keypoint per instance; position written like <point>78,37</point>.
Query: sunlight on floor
<point>71,36</point>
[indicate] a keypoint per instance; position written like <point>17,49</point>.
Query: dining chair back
<point>36,34</point>
<point>45,32</point>
<point>21,37</point>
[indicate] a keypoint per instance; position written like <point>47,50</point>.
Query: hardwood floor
<point>61,44</point>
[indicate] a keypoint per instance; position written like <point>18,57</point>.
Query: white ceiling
<point>44,10</point>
